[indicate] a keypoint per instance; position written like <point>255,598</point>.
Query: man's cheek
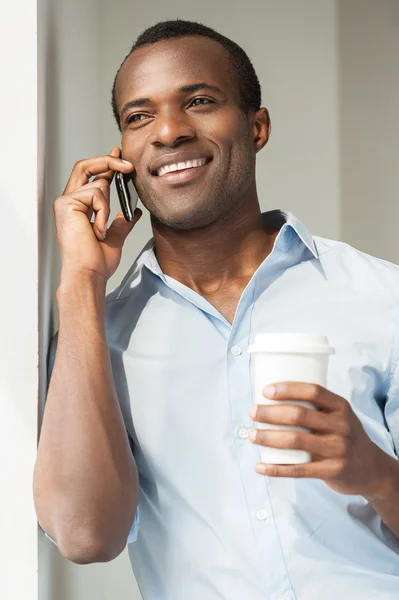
<point>142,184</point>
<point>132,152</point>
<point>140,174</point>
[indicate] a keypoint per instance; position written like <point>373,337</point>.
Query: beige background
<point>329,72</point>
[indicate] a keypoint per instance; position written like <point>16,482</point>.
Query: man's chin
<point>182,220</point>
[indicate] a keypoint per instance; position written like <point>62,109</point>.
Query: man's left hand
<point>342,453</point>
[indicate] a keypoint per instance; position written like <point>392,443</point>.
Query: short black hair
<point>248,82</point>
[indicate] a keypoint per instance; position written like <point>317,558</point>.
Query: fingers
<point>85,201</point>
<point>103,185</point>
<point>120,229</point>
<point>309,392</point>
<point>295,415</point>
<point>109,175</point>
<point>101,208</point>
<point>326,446</point>
<point>326,469</point>
<point>90,167</point>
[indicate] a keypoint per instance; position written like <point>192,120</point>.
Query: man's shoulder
<point>345,250</point>
<point>357,266</point>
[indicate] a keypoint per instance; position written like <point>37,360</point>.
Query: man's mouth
<point>181,172</point>
<point>181,166</point>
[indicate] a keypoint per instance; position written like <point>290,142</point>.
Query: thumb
<point>116,151</point>
<point>120,229</point>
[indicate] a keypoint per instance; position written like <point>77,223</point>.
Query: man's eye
<point>199,101</point>
<point>136,118</point>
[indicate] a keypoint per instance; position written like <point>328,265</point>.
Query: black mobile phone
<point>126,194</point>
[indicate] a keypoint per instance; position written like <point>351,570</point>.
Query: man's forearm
<point>384,493</point>
<point>85,480</point>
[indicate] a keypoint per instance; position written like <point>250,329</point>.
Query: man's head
<point>186,93</point>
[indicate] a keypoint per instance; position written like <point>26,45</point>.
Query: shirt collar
<point>280,219</point>
<point>284,220</point>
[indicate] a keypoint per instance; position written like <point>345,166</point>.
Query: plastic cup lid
<point>308,343</point>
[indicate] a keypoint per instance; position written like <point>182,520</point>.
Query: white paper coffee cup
<point>278,357</point>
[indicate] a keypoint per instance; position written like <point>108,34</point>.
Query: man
<point>162,363</point>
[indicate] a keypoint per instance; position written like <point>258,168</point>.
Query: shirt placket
<point>273,570</point>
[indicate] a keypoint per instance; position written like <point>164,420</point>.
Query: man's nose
<point>170,129</point>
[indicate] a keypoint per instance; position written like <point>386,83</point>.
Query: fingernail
<point>269,391</point>
<point>252,435</point>
<point>127,162</point>
<point>103,234</point>
<point>252,411</point>
<point>261,468</point>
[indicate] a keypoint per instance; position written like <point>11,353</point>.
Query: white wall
<point>369,59</point>
<point>18,314</point>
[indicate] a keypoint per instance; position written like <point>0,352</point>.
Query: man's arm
<point>385,498</point>
<point>85,482</point>
<point>85,479</point>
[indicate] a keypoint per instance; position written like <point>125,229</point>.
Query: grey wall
<point>369,67</point>
<point>70,48</point>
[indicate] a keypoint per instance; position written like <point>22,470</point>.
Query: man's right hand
<point>89,248</point>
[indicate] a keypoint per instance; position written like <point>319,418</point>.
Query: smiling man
<point>148,433</point>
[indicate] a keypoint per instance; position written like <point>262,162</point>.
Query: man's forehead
<point>174,63</point>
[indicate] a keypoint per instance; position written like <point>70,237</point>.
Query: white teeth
<point>189,164</point>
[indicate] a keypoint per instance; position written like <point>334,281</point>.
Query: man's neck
<point>216,257</point>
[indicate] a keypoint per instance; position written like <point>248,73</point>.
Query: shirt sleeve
<point>51,356</point>
<point>392,400</point>
<point>134,530</point>
<point>50,365</point>
<point>392,412</point>
<point>48,537</point>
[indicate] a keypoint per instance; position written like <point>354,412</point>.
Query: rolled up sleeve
<point>392,400</point>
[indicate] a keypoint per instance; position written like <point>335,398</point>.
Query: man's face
<point>200,131</point>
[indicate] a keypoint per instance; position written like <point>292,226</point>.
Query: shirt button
<point>243,433</point>
<point>236,350</point>
<point>281,598</point>
<point>262,515</point>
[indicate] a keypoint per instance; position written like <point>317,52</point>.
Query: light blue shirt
<point>209,527</point>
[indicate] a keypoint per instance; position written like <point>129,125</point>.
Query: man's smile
<point>180,167</point>
<point>188,164</point>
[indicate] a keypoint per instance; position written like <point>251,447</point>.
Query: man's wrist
<point>81,295</point>
<point>385,478</point>
<point>80,281</point>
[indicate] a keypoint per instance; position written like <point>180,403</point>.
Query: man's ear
<point>261,128</point>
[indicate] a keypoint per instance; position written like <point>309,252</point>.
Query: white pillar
<point>18,303</point>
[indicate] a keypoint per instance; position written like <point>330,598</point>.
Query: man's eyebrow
<point>134,104</point>
<point>192,87</point>
<point>195,87</point>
